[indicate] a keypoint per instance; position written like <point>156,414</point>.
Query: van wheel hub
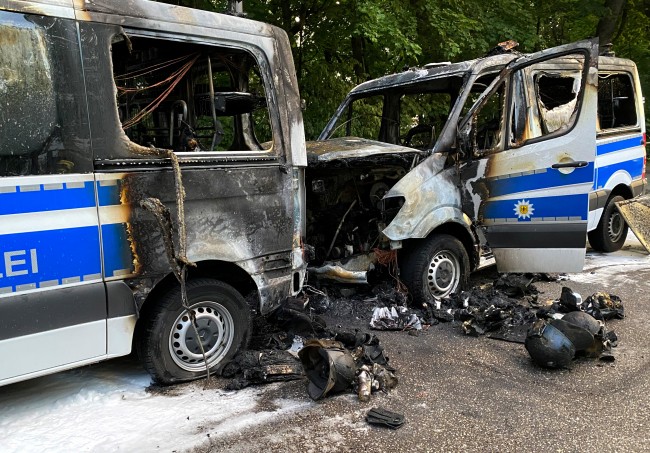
<point>615,226</point>
<point>443,273</point>
<point>215,328</point>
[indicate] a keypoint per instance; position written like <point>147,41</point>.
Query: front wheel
<point>610,234</point>
<point>168,345</point>
<point>436,268</point>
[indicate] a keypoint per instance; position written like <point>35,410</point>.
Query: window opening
<point>190,97</point>
<point>362,119</point>
<point>616,103</point>
<point>487,120</point>
<point>422,117</point>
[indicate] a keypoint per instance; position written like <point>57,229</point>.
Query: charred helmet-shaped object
<point>548,346</point>
<point>584,320</point>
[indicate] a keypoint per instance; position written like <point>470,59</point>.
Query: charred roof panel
<point>155,11</point>
<point>56,8</point>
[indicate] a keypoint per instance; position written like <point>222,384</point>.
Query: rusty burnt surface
<point>636,213</point>
<point>241,217</point>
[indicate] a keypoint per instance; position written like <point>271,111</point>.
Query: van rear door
<point>532,136</point>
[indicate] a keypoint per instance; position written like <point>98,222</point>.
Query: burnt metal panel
<point>56,8</point>
<point>232,214</point>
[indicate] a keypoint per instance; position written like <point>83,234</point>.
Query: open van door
<point>531,144</point>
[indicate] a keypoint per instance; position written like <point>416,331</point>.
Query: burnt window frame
<point>529,78</point>
<point>274,152</point>
<point>347,112</point>
<point>395,94</point>
<point>620,129</point>
<point>506,75</point>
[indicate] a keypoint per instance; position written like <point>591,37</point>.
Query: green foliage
<point>338,44</point>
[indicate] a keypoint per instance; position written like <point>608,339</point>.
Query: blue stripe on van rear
<point>633,167</point>
<point>619,145</point>
<point>50,258</point>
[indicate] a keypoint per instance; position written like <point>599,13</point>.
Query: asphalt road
<point>461,393</point>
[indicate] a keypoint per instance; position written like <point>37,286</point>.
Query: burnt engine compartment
<point>346,212</point>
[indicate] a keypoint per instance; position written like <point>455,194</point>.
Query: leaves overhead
<point>339,44</point>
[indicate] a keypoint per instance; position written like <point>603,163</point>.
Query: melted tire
<point>166,342</point>
<point>609,235</point>
<point>419,268</point>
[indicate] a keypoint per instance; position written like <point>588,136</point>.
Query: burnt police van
<point>141,142</point>
<point>509,158</point>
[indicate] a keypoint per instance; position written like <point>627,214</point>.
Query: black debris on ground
<point>509,308</point>
<point>294,342</point>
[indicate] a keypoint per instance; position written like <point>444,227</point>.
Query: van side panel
<point>52,298</point>
<point>237,209</point>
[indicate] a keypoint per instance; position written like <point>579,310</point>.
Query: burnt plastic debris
<point>260,367</point>
<point>364,384</point>
<point>329,367</point>
<point>604,306</point>
<point>515,285</point>
<point>292,336</point>
<point>569,300</point>
<point>486,310</point>
<point>384,417</point>
<point>297,322</point>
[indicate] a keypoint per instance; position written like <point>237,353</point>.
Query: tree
<point>339,43</point>
<point>610,21</point>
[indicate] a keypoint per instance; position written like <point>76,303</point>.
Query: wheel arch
<point>623,190</point>
<point>224,271</point>
<point>458,230</point>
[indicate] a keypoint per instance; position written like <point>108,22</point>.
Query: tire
<point>610,234</point>
<point>435,268</point>
<point>166,342</point>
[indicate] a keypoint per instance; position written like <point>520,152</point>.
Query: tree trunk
<point>608,23</point>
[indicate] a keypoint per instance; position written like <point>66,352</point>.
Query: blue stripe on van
<point>619,145</point>
<point>49,258</point>
<point>574,206</point>
<point>109,194</point>
<point>633,167</point>
<point>117,250</point>
<point>44,197</point>
<point>546,180</point>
